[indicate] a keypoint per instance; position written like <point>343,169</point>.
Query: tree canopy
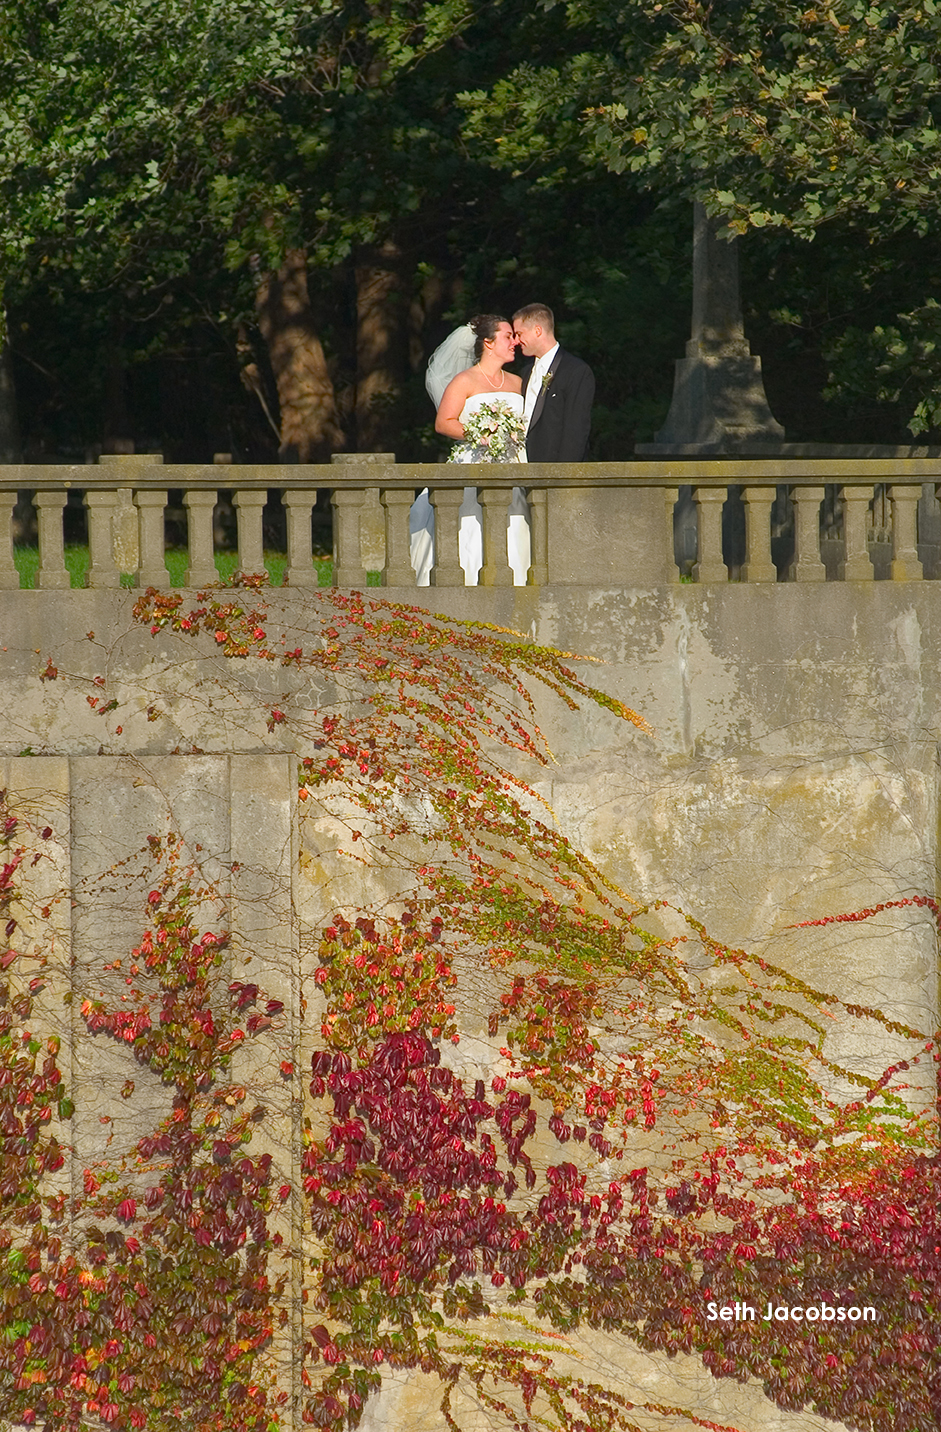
<point>421,161</point>
<point>779,115</point>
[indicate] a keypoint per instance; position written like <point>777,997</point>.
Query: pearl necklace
<point>489,380</point>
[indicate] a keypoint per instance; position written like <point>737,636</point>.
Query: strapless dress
<point>464,452</point>
<point>470,541</point>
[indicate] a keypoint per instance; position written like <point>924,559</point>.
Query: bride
<point>465,373</point>
<point>484,380</point>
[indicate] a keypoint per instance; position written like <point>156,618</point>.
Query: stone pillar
<point>151,502</point>
<point>130,553</point>
<point>348,569</point>
<point>9,576</point>
<point>298,504</point>
<point>249,505</point>
<point>537,497</point>
<point>396,503</point>
<point>447,571</point>
<point>125,532</point>
<point>857,564</point>
<point>906,566</point>
<point>100,506</point>
<point>372,552</point>
<point>52,569</point>
<point>709,566</point>
<point>718,392</point>
<point>199,506</point>
<point>496,571</point>
<point>606,536</point>
<point>671,496</point>
<point>758,566</point>
<point>807,565</point>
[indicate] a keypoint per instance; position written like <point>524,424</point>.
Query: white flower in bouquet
<point>495,432</point>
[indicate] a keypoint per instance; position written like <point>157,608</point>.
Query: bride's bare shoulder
<point>513,383</point>
<point>460,387</point>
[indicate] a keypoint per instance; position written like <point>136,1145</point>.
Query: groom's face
<point>527,336</point>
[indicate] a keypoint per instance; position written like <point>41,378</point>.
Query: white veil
<point>450,358</point>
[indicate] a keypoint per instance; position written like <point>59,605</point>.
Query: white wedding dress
<point>470,541</point>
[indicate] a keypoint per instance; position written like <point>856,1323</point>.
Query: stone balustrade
<point>603,524</point>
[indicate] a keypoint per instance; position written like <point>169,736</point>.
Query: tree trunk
<point>9,426</point>
<point>310,428</point>
<point>381,339</point>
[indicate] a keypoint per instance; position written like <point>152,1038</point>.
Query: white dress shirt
<point>534,386</point>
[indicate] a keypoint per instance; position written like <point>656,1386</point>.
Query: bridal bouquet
<point>494,433</point>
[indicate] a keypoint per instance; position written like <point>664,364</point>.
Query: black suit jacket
<point>561,418</point>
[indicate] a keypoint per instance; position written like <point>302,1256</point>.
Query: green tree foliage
<point>160,160</point>
<point>818,122</point>
<point>780,115</point>
<point>115,127</point>
<point>800,117</point>
<point>150,148</point>
<point>115,123</point>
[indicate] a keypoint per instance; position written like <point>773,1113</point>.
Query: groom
<point>558,390</point>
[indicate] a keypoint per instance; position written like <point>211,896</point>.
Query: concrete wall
<point>793,774</point>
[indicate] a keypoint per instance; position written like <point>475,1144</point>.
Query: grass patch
<point>177,560</point>
<point>27,564</point>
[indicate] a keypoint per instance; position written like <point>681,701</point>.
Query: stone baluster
<point>199,506</point>
<point>125,533</point>
<point>758,566</point>
<point>496,571</point>
<point>151,502</point>
<point>447,570</point>
<point>126,519</point>
<point>249,505</point>
<point>396,503</point>
<point>9,576</point>
<point>348,569</point>
<point>102,569</point>
<point>537,497</point>
<point>363,543</point>
<point>298,505</point>
<point>906,566</point>
<point>807,564</point>
<point>709,566</point>
<point>52,569</point>
<point>857,564</point>
<point>671,496</point>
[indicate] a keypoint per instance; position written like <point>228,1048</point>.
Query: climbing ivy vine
<point>652,1131</point>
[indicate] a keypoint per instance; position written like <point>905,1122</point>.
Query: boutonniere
<point>547,379</point>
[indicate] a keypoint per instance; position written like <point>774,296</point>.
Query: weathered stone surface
<point>230,823</point>
<point>413,1400</point>
<point>372,532</point>
<point>38,795</point>
<point>116,803</point>
<point>792,775</point>
<point>589,540</point>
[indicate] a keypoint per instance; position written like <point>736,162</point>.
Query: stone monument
<point>719,397</point>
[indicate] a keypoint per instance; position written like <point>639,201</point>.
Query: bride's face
<point>502,345</point>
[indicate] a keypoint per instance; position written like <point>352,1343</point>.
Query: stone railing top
<point>142,471</point>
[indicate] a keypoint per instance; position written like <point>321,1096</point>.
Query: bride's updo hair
<point>484,327</point>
